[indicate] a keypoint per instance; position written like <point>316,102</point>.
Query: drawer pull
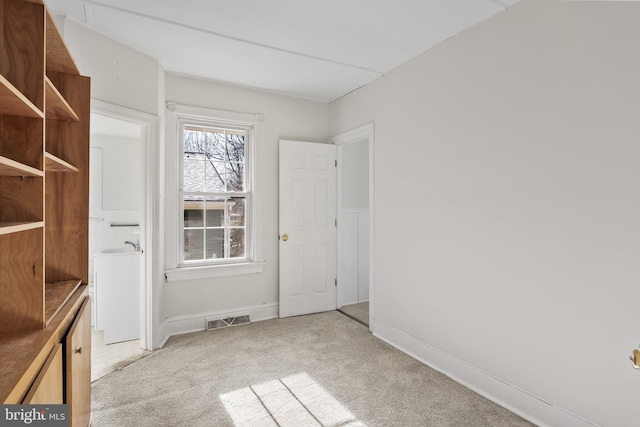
<point>78,350</point>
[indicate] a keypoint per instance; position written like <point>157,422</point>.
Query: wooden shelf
<point>56,295</point>
<point>56,164</point>
<point>16,227</point>
<point>10,167</point>
<point>13,102</point>
<point>58,57</point>
<point>57,108</point>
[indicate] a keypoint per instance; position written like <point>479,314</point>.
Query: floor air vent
<point>229,321</point>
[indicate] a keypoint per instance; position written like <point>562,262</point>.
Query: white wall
<point>355,174</point>
<point>188,302</point>
<point>125,77</point>
<point>506,158</point>
<point>119,75</point>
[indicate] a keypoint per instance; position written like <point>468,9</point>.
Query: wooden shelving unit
<point>55,164</point>
<point>10,167</point>
<point>44,211</point>
<point>12,101</point>
<point>16,227</point>
<point>57,107</point>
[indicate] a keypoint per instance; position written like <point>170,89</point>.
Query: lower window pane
<point>193,245</point>
<point>215,243</point>
<point>237,242</point>
<point>235,211</point>
<point>215,211</point>
<point>193,211</point>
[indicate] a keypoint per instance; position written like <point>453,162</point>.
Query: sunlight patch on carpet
<point>296,401</point>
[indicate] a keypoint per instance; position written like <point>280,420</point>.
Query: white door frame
<point>148,227</point>
<point>354,135</point>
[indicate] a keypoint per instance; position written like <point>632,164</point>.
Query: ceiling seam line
<point>237,39</point>
<point>498,3</point>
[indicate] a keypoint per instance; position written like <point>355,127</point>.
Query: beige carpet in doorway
<point>358,311</point>
<point>321,369</point>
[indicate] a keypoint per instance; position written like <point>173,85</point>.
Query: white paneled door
<point>307,228</point>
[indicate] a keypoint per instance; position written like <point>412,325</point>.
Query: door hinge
<point>336,163</point>
<point>336,282</point>
<point>336,222</point>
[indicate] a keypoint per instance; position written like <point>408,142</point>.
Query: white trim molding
<point>209,271</point>
<point>207,113</point>
<point>178,325</point>
<point>533,408</point>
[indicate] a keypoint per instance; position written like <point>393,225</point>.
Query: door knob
<point>635,359</point>
<point>285,237</point>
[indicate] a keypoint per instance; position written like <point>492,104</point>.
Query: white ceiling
<point>317,50</point>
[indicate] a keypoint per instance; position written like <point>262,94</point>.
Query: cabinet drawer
<point>47,388</point>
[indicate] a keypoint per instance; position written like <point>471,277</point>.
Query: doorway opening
<point>119,244</point>
<point>355,223</point>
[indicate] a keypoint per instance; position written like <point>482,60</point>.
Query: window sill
<point>211,271</point>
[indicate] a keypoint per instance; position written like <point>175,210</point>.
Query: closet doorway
<point>355,223</point>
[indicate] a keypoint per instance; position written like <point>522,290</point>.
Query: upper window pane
<point>214,160</point>
<point>235,176</point>
<point>235,147</point>
<point>215,176</point>
<point>193,173</point>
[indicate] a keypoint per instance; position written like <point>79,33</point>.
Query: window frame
<point>251,263</point>
<point>246,195</point>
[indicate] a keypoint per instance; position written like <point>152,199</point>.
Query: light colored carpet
<point>106,358</point>
<point>321,369</point>
<point>359,311</point>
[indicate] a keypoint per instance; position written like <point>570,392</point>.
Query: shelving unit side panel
<point>23,48</point>
<point>22,139</point>
<point>58,57</point>
<point>21,282</point>
<point>67,194</point>
<point>21,198</point>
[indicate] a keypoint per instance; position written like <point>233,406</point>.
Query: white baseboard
<point>515,399</point>
<point>163,335</point>
<point>178,325</point>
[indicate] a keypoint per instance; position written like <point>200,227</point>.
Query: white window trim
<point>174,271</point>
<point>209,271</point>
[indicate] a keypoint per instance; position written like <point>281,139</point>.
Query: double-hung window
<point>214,193</point>
<point>212,224</point>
